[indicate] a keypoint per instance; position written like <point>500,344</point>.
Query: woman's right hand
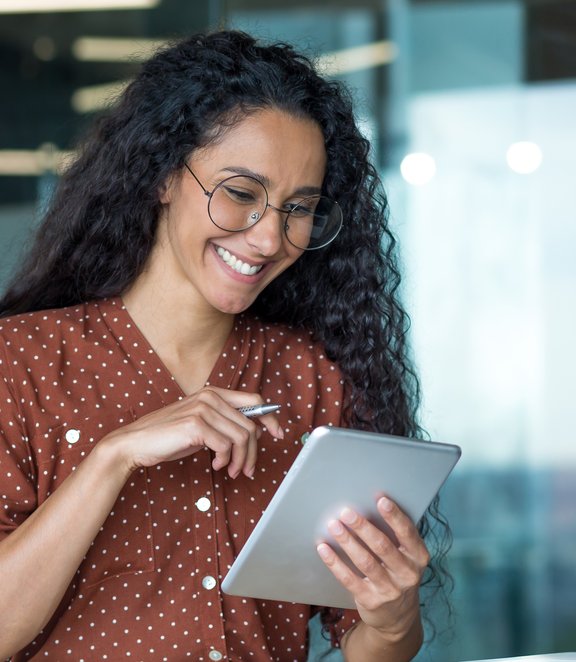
<point>206,419</point>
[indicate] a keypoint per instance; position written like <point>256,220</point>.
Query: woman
<point>219,242</point>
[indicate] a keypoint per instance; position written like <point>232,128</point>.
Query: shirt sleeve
<point>17,475</point>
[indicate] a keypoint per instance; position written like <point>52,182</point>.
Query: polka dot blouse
<point>148,588</point>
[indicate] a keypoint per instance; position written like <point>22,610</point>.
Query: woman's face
<point>193,256</point>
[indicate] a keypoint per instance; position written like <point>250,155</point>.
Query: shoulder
<point>281,336</point>
<point>49,323</point>
<point>31,337</point>
<point>39,319</point>
<point>289,345</point>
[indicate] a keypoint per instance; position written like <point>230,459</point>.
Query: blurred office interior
<point>471,109</point>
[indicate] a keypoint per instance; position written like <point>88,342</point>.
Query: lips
<point>237,264</point>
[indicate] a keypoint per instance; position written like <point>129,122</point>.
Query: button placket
<point>205,509</point>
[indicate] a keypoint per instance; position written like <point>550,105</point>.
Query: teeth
<point>236,264</point>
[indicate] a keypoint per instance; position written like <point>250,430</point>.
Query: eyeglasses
<point>239,202</point>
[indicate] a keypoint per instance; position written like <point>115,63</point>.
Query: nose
<point>267,235</point>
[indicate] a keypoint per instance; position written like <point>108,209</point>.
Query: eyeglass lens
<point>240,201</point>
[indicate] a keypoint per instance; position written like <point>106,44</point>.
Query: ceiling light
<point>90,99</point>
<point>27,162</point>
<point>96,97</point>
<point>110,49</point>
<point>524,157</point>
<point>418,168</point>
<point>348,60</point>
<point>44,6</point>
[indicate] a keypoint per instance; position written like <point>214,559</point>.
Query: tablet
<point>337,467</point>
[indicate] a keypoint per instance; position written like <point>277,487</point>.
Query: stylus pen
<point>258,410</point>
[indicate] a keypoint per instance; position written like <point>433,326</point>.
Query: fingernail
<point>385,504</point>
<point>324,551</point>
<point>348,516</point>
<point>280,433</point>
<point>335,527</point>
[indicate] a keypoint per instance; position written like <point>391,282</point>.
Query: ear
<point>165,190</point>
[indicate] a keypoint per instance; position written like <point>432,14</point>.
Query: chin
<point>234,307</point>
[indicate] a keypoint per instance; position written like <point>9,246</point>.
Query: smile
<point>235,263</point>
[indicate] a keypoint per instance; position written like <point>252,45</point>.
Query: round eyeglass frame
<point>209,195</point>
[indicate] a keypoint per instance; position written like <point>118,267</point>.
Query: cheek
<point>185,227</point>
<point>174,244</point>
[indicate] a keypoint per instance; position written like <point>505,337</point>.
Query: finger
<point>272,424</point>
<point>366,593</point>
<point>216,430</point>
<point>409,540</point>
<point>240,448</point>
<point>249,465</point>
<point>365,559</point>
<point>377,556</point>
<point>244,448</point>
<point>244,457</point>
<point>235,446</point>
<point>343,573</point>
<point>238,399</point>
<point>270,421</point>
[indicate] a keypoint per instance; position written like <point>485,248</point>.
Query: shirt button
<point>203,504</point>
<point>72,435</point>
<point>215,655</point>
<point>208,582</point>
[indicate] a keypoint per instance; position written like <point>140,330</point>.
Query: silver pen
<point>258,410</point>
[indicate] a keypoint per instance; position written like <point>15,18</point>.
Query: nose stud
<point>255,216</point>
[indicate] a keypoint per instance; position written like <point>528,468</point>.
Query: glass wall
<point>470,107</point>
<point>486,218</point>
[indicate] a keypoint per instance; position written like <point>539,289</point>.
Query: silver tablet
<point>337,467</point>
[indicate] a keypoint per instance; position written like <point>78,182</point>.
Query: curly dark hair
<point>101,225</point>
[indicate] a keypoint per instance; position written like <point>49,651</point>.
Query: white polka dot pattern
<point>148,589</point>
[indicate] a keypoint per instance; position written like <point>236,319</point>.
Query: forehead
<point>272,142</point>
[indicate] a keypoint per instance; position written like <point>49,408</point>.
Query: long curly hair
<point>101,225</point>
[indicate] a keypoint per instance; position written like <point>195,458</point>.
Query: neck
<point>187,338</point>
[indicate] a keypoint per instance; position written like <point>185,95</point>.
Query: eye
<point>301,209</point>
<point>240,195</point>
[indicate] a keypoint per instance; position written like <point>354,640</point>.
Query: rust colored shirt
<point>148,588</point>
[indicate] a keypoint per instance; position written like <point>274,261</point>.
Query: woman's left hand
<point>386,585</point>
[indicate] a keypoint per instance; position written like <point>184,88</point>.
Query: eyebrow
<point>302,190</point>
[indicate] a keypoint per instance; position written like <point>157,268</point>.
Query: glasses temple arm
<point>206,192</point>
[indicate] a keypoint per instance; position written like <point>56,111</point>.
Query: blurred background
<point>471,109</point>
